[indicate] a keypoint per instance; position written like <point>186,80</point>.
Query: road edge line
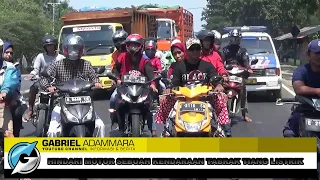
<point>289,90</point>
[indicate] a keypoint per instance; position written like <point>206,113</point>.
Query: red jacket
<point>123,66</point>
<point>215,59</point>
<point>156,63</point>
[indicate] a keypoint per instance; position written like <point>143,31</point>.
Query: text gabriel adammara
<point>107,142</point>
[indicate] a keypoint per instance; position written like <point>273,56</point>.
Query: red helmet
<point>134,43</point>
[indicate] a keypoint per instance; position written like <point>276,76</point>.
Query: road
<point>268,119</point>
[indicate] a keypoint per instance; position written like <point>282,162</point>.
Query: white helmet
<point>217,37</point>
<point>175,41</point>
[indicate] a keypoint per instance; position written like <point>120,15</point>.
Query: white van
<point>267,73</point>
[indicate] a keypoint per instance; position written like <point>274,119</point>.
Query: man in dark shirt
<point>194,69</point>
<point>306,82</point>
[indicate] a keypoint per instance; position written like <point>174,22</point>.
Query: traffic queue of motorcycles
<point>192,114</point>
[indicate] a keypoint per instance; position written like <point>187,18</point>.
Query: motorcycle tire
<point>41,123</point>
<point>135,125</point>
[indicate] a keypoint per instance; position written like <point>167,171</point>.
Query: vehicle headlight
<point>89,114</point>
<point>70,117</point>
<point>141,99</point>
<point>126,98</point>
<point>193,127</point>
<point>271,72</point>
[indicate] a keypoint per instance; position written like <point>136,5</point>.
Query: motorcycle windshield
<point>192,91</point>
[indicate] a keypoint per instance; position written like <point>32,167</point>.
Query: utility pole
<point>53,13</point>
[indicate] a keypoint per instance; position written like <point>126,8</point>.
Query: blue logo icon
<point>24,158</point>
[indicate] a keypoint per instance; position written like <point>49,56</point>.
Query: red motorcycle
<point>234,87</point>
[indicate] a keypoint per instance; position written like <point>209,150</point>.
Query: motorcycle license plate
<point>235,79</point>
<point>251,81</point>
<point>134,79</point>
<point>78,100</point>
<point>312,124</point>
<point>187,107</point>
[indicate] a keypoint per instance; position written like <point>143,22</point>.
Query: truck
<point>96,28</point>
<point>173,23</point>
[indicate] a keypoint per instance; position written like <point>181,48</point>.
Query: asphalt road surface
<point>268,119</point>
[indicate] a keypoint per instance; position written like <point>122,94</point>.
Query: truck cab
<point>167,30</point>
<point>267,73</point>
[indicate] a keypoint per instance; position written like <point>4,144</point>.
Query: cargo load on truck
<point>131,20</point>
<point>174,22</point>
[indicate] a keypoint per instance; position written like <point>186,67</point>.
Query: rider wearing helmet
<point>235,54</point>
<point>133,60</point>
<point>209,54</point>
<point>150,50</point>
<point>217,40</point>
<point>118,38</point>
<point>49,44</point>
<point>71,67</point>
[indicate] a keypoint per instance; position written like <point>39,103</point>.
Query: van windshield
<point>164,30</point>
<point>254,45</point>
<point>96,38</point>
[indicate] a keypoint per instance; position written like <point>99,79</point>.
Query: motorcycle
<point>309,123</point>
<point>133,109</point>
<point>193,115</point>
<point>77,111</point>
<point>234,87</point>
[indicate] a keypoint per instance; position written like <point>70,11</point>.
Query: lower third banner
<point>75,158</point>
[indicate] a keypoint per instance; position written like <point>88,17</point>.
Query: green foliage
<point>277,15</point>
<point>25,22</point>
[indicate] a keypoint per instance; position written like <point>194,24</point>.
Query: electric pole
<point>53,13</point>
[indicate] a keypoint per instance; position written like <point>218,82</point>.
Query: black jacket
<point>232,54</point>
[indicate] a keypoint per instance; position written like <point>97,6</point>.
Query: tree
<point>23,23</point>
<point>277,15</point>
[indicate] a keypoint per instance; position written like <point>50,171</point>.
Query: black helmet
<point>150,43</point>
<point>119,37</point>
<point>204,34</point>
<point>47,40</point>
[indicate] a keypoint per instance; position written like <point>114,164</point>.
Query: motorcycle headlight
<point>141,99</point>
<point>89,115</point>
<point>193,127</point>
<point>70,117</point>
<point>126,98</point>
<point>271,72</point>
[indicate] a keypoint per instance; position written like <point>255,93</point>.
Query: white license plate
<point>235,79</point>
<point>78,100</point>
<point>312,122</point>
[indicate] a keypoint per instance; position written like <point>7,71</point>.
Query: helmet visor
<point>73,52</point>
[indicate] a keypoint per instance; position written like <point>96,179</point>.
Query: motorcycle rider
<point>49,44</point>
<point>235,54</point>
<point>64,70</point>
<point>10,82</point>
<point>217,41</point>
<point>209,54</point>
<point>133,60</point>
<point>306,82</point>
<point>118,38</point>
<point>193,64</point>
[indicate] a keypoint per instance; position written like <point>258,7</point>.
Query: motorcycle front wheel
<point>135,125</point>
<point>40,125</point>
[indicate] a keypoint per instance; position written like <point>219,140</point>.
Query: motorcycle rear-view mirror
<point>229,67</point>
<point>164,74</point>
<point>253,62</point>
<point>215,79</point>
<point>100,70</point>
<point>111,76</point>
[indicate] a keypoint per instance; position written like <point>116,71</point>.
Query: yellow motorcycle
<point>193,115</point>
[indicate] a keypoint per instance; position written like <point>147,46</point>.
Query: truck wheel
<point>135,125</point>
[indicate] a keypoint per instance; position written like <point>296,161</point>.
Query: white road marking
<point>289,90</point>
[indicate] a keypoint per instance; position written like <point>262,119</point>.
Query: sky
<point>187,4</point>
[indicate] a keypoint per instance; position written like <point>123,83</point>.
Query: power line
<point>196,8</point>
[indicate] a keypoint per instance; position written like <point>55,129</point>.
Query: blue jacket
<point>10,77</point>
